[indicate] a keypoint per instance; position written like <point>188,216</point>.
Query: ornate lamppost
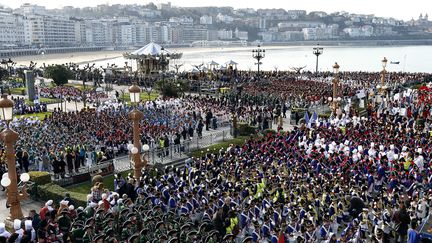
<point>258,54</point>
<point>317,51</point>
<point>136,116</point>
<point>383,87</point>
<point>10,180</point>
<point>163,61</point>
<point>335,82</point>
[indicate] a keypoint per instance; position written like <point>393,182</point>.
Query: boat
<point>394,62</point>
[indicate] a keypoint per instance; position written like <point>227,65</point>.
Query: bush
<point>56,193</point>
<point>245,129</point>
<point>40,177</point>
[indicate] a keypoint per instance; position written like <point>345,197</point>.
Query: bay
<point>350,58</point>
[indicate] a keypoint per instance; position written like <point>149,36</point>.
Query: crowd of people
<point>22,108</point>
<point>342,179</point>
<point>67,141</point>
<point>71,93</point>
<point>334,182</point>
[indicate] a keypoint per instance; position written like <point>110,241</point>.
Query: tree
<point>3,73</point>
<point>58,73</point>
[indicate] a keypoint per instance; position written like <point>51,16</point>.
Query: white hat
<point>28,224</point>
<point>71,207</point>
<point>49,203</point>
<point>64,202</point>
<point>17,224</point>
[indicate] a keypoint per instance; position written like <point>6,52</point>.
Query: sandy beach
<point>75,57</point>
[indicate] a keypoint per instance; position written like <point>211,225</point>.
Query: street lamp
<point>258,54</point>
<point>163,61</point>
<point>384,64</point>
<point>234,124</point>
<point>10,181</point>
<point>335,82</point>
<point>317,51</point>
<point>136,116</point>
<point>145,149</point>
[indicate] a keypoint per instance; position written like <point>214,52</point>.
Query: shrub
<point>56,193</point>
<point>245,129</point>
<point>40,177</point>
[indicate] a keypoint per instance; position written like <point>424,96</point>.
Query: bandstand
<point>152,58</point>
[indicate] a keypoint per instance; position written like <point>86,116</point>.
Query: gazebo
<point>212,65</point>
<point>232,64</point>
<point>152,58</point>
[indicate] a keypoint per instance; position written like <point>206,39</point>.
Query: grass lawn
<point>143,97</point>
<point>236,141</point>
<point>40,116</point>
<point>44,100</point>
<point>80,86</point>
<point>85,187</point>
<point>18,91</point>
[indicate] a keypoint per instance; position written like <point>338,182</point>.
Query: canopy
<point>151,51</point>
<point>230,63</point>
<point>213,63</point>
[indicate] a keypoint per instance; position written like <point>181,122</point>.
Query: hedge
<point>57,193</point>
<point>245,129</point>
<point>40,177</point>
<point>45,190</point>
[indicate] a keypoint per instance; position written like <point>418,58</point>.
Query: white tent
<point>152,49</point>
<point>231,63</point>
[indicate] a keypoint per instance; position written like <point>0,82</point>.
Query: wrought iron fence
<point>155,155</point>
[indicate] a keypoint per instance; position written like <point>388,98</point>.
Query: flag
<point>306,117</point>
<point>314,118</point>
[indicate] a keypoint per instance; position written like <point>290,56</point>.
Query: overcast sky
<point>399,9</point>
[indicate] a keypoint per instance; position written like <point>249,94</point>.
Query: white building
<point>126,35</point>
<point>225,34</point>
<point>224,18</point>
<point>295,14</point>
<point>49,31</point>
<point>11,29</point>
<point>242,35</point>
<point>206,20</point>
<point>364,31</point>
<point>30,9</point>
<point>320,33</point>
<point>184,20</point>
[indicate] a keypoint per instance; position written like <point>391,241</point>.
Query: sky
<point>399,9</point>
